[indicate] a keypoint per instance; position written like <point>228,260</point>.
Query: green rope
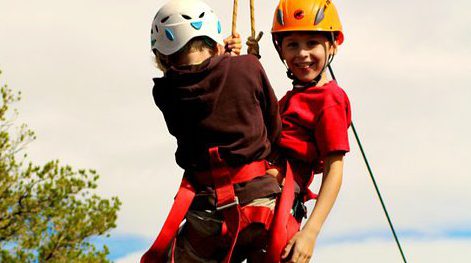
<point>377,191</point>
<point>374,182</point>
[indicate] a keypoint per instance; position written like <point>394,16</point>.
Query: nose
<point>303,52</point>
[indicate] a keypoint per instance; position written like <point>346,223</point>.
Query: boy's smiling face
<point>306,53</point>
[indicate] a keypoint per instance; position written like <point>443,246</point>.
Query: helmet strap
<point>303,85</point>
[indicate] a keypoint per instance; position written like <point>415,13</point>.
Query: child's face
<point>306,54</point>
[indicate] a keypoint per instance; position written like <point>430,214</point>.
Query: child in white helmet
<point>315,113</point>
<point>224,115</point>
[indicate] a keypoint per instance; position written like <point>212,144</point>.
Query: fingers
<point>233,44</point>
<point>234,38</point>
<point>294,252</point>
<point>287,249</point>
<point>234,47</point>
<point>296,256</point>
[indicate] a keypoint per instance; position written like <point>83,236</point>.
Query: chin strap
<point>302,85</point>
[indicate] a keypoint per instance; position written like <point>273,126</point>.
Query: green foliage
<point>47,213</point>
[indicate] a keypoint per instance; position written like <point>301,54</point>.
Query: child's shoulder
<point>332,89</point>
<point>245,61</point>
<point>328,94</point>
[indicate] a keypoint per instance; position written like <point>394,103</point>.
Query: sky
<point>85,72</point>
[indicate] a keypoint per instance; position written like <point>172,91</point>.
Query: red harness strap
<point>158,251</point>
<point>222,177</point>
<point>284,226</point>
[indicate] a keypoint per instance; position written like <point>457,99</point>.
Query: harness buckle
<point>234,203</point>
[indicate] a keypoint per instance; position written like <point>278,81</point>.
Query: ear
<point>333,47</point>
<point>220,49</point>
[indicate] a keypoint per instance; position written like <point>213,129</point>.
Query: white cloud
<point>420,251</point>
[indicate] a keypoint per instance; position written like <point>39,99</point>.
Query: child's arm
<point>302,244</point>
<point>233,44</point>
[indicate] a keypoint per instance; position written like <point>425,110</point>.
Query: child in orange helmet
<point>315,112</point>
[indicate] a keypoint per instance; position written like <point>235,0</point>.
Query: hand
<point>300,247</point>
<point>253,47</point>
<point>276,172</point>
<point>233,44</point>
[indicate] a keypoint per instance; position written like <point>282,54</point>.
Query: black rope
<point>374,182</point>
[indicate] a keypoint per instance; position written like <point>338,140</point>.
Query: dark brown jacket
<point>226,102</point>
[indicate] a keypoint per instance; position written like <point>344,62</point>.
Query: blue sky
<point>85,71</point>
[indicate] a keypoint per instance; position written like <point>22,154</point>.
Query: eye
<point>291,44</point>
<point>313,43</point>
<point>201,15</point>
<point>187,17</point>
<point>164,19</point>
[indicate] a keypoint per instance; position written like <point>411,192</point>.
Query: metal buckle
<point>234,203</point>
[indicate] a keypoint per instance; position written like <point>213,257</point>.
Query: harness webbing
<point>374,182</point>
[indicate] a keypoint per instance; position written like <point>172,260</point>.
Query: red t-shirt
<point>315,122</point>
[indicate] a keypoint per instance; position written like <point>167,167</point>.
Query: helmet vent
<point>279,17</point>
<point>201,15</point>
<point>187,17</point>
<point>156,29</point>
<point>164,19</point>
<point>319,16</point>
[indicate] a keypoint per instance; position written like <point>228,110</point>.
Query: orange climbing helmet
<point>307,15</point>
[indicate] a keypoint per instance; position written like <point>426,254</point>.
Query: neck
<point>323,80</point>
<point>195,57</point>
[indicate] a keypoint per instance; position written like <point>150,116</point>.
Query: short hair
<point>164,62</point>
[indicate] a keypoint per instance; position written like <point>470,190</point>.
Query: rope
<point>374,183</point>
<point>252,17</point>
<point>234,16</point>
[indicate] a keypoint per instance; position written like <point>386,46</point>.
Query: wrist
<point>313,230</point>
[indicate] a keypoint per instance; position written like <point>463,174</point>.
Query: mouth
<point>303,65</point>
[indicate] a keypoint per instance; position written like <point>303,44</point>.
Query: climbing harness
<point>374,182</point>
<point>281,225</point>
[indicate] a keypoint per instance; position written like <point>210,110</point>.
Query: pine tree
<point>48,213</point>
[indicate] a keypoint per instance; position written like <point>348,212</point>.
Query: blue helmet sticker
<point>169,34</point>
<point>219,27</point>
<point>197,25</point>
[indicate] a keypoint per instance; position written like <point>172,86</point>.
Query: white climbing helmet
<point>178,21</point>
